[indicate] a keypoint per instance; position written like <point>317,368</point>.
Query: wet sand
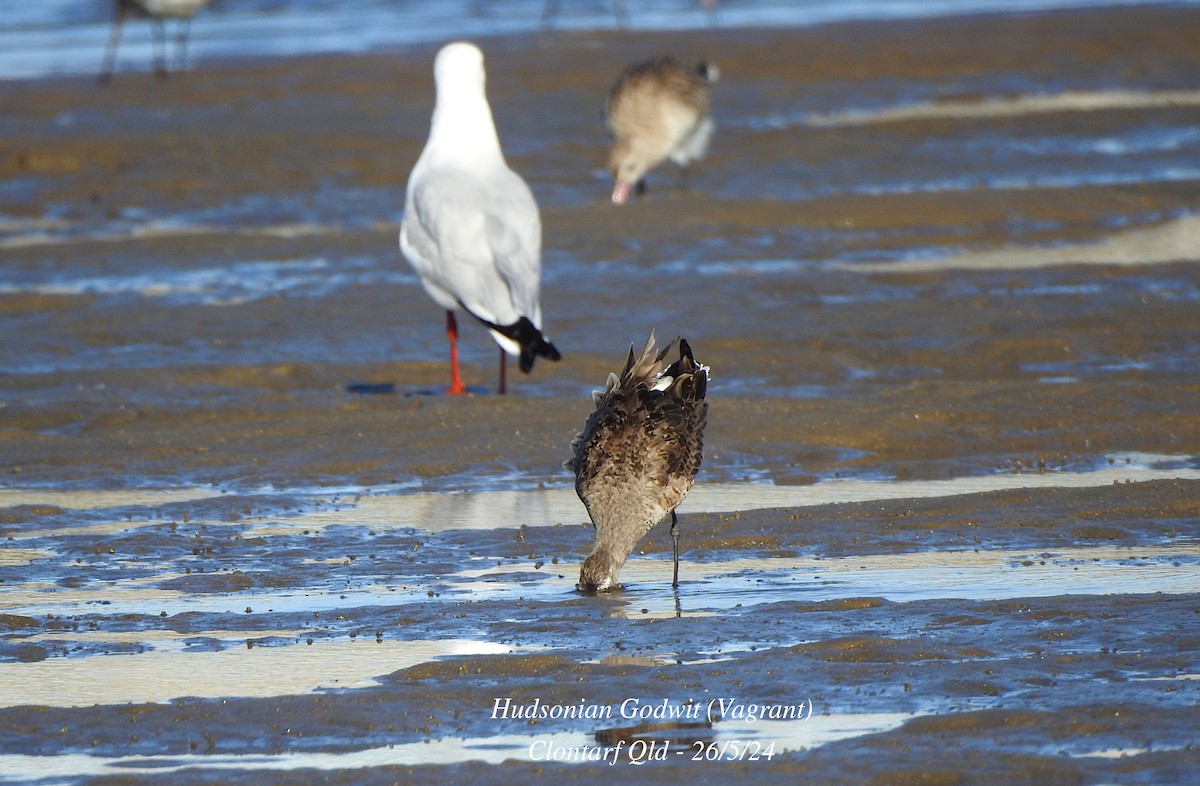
<point>221,460</point>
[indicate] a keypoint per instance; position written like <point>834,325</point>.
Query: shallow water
<point>63,37</point>
<point>724,581</point>
<point>391,507</point>
<point>567,747</point>
<point>168,668</point>
<point>294,606</point>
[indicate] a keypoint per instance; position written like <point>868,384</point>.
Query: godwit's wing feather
<point>636,428</point>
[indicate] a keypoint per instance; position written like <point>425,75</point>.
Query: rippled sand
<point>944,273</point>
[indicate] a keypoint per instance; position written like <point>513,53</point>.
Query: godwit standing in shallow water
<point>638,455</point>
<point>657,110</point>
<point>471,227</point>
<point>157,11</point>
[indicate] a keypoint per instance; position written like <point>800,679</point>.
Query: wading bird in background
<point>550,12</point>
<point>158,11</point>
<point>471,227</point>
<point>638,455</point>
<point>656,110</point>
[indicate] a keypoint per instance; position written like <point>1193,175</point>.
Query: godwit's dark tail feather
<point>690,378</point>
<point>685,352</point>
<point>687,379</point>
<point>708,71</point>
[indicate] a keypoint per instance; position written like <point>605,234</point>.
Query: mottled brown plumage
<point>638,455</point>
<point>657,110</point>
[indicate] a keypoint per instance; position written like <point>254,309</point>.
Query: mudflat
<point>944,273</point>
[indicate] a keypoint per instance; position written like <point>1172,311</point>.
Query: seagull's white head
<point>462,127</point>
<point>458,70</point>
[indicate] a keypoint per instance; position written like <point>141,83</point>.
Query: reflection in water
<point>1010,106</point>
<point>726,741</point>
<point>388,508</point>
<point>241,670</point>
<point>157,665</point>
<point>164,670</point>
<point>1169,242</point>
<point>721,585</point>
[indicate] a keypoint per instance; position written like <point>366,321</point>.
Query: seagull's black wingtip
<point>532,342</point>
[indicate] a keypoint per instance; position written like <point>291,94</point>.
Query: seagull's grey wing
<point>514,235</point>
<point>445,228</point>
<point>419,229</point>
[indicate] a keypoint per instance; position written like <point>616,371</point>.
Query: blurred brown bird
<point>656,110</point>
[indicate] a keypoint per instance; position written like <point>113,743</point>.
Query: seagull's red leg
<point>456,383</point>
<point>503,365</point>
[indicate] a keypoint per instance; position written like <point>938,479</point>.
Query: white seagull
<point>656,110</point>
<point>471,227</point>
<point>157,11</point>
